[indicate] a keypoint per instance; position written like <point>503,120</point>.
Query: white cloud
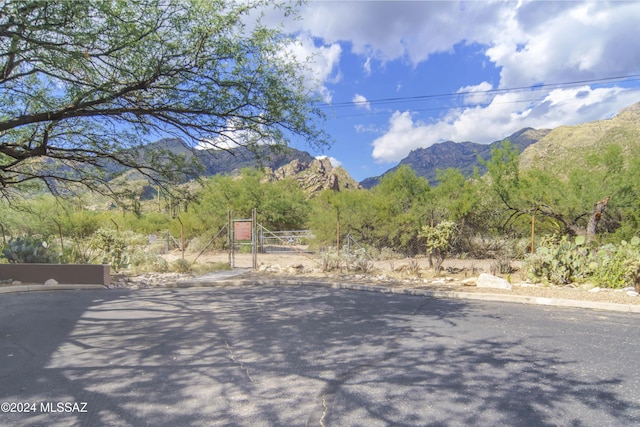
<point>530,42</point>
<point>334,162</point>
<point>554,42</point>
<point>386,30</point>
<point>367,67</point>
<point>500,118</point>
<point>370,128</point>
<point>533,41</point>
<point>477,94</point>
<point>361,102</point>
<point>233,135</point>
<point>321,63</point>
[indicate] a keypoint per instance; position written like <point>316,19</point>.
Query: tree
<point>336,214</point>
<point>280,204</point>
<point>403,203</point>
<point>574,203</point>
<point>438,239</point>
<point>85,84</point>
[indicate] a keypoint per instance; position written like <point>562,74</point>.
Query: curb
<point>519,299</point>
<point>40,288</point>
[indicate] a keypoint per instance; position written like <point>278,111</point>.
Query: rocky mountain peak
<point>314,176</point>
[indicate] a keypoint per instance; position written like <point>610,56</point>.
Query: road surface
<point>295,356</point>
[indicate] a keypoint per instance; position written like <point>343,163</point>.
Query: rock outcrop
<point>314,176</point>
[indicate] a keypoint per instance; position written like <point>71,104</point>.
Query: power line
<point>419,110</point>
<point>630,78</point>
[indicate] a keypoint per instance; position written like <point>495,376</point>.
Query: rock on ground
<point>489,281</point>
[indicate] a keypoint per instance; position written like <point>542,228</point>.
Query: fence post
<point>230,241</point>
<point>254,238</point>
<point>166,243</point>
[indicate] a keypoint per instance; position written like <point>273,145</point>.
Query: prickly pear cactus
<point>27,250</point>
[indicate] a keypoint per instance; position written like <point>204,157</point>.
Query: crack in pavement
<point>329,391</point>
<point>325,409</point>
<point>239,363</point>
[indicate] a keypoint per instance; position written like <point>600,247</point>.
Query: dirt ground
<point>458,275</point>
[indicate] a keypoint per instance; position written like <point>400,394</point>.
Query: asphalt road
<point>291,356</point>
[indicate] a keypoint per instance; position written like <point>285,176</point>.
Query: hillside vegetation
<point>567,146</point>
<point>585,218</point>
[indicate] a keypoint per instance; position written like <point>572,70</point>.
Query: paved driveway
<point>310,356</point>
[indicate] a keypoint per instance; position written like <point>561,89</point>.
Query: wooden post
<point>533,230</point>
<point>181,237</point>
<point>338,237</point>
<point>254,238</point>
<point>230,242</point>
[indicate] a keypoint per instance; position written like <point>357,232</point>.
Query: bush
<point>559,263</point>
<point>358,260</point>
<point>112,247</point>
<point>617,266</point>
<point>144,262</point>
<point>181,265</point>
<point>330,260</point>
<point>611,266</point>
<point>438,241</point>
<point>28,250</point>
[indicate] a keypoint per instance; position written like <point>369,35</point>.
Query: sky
<point>395,76</point>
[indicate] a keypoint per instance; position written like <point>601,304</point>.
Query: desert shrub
<point>560,262</point>
<point>330,260</point>
<point>73,253</point>
<point>617,266</point>
<point>181,265</point>
<point>112,248</point>
<point>28,250</point>
<point>358,260</point>
<point>438,240</point>
<point>145,262</point>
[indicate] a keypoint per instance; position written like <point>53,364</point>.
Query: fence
<point>284,241</point>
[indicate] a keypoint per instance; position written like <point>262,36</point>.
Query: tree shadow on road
<point>286,356</point>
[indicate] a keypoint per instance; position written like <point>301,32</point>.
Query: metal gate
<point>283,241</point>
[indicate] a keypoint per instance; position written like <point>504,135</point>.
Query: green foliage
<point>103,76</point>
<point>181,265</point>
<point>28,250</point>
<point>402,203</point>
<point>389,215</point>
<point>112,247</point>
<point>281,205</point>
<point>438,240</point>
<point>617,266</point>
<point>561,262</point>
<point>144,262</point>
<point>503,170</point>
<point>567,261</point>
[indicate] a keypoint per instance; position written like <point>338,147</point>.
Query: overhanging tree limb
<point>81,81</point>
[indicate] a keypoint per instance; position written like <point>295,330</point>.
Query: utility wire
<point>418,110</point>
<point>629,78</point>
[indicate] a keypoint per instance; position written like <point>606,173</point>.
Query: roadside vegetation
<point>499,215</point>
<point>81,183</point>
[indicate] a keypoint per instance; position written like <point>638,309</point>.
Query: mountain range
<point>465,156</point>
<point>550,149</point>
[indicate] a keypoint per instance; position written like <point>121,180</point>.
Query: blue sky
<point>399,75</point>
